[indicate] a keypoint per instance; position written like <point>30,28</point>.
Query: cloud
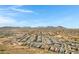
<point>18,9</point>
<point>9,21</point>
<point>6,21</point>
<point>21,10</point>
<point>9,16</point>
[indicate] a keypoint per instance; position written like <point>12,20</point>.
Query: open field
<point>50,40</point>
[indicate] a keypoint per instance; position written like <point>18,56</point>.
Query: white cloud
<point>7,16</point>
<point>7,21</point>
<point>18,9</point>
<point>21,10</point>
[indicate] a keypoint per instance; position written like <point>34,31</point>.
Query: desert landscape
<point>39,29</point>
<point>39,40</point>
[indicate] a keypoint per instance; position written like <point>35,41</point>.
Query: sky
<point>39,15</point>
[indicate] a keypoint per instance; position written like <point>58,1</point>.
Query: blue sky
<point>39,15</point>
